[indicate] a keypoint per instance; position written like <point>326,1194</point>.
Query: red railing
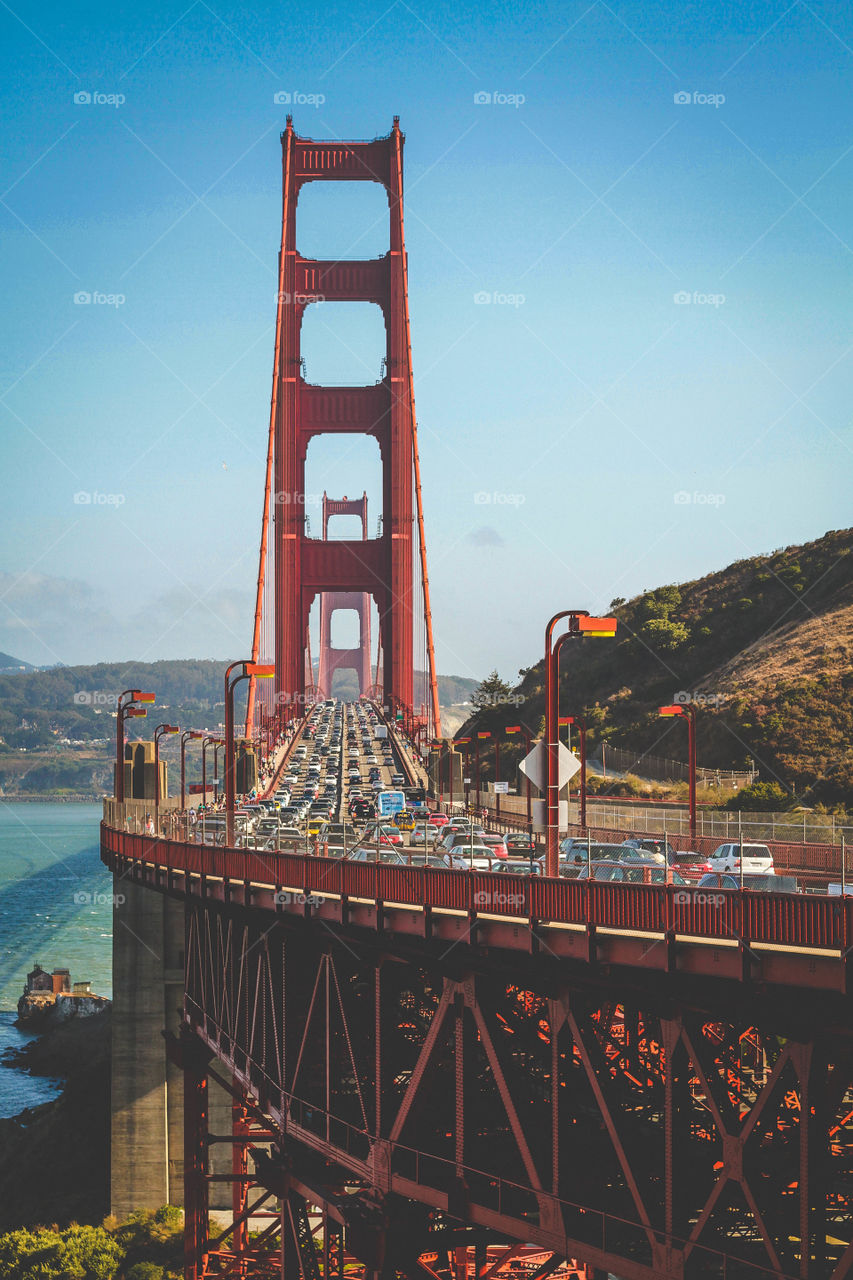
<point>784,919</point>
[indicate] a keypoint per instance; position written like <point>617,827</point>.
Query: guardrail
<point>788,920</point>
<point>818,861</point>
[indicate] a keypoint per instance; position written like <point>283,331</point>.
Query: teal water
<point>55,910</point>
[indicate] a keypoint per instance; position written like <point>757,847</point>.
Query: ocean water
<point>18,1089</point>
<point>55,910</point>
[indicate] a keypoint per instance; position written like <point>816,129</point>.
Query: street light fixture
<point>124,708</point>
<point>688,713</point>
<point>162,731</point>
<point>248,669</point>
<point>580,624</point>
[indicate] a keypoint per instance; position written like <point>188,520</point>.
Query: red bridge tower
<point>358,659</point>
<point>384,567</point>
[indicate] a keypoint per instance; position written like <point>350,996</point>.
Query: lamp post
<point>580,624</point>
<point>247,670</point>
<point>208,738</point>
<point>162,731</point>
<point>581,724</point>
<point>480,736</point>
<point>125,708</point>
<point>188,733</point>
<point>464,742</point>
<point>688,713</point>
<point>520,728</point>
<point>497,776</point>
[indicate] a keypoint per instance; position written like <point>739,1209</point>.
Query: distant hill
<point>764,649</point>
<point>10,665</point>
<point>57,726</point>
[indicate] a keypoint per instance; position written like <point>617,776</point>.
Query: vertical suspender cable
<point>262,561</point>
<point>436,716</point>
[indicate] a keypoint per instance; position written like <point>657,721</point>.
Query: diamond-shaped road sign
<point>535,766</point>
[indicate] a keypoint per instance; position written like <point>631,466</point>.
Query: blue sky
<point>658,384</point>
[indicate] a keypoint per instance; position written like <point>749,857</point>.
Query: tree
<point>660,603</point>
<point>762,797</point>
<point>663,635</point>
<point>491,692</point>
<point>75,1253</point>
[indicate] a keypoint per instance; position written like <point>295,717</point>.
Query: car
<point>404,820</point>
<point>756,858</point>
<point>758,883</point>
<point>448,860</point>
<point>512,867</point>
<point>421,834</point>
<point>651,844</point>
<point>289,833</point>
<point>426,860</point>
<point>519,842</point>
<point>438,819</point>
<point>452,836</point>
<point>384,854</point>
<point>496,844</point>
<point>580,852</point>
<point>383,833</point>
<point>631,872</point>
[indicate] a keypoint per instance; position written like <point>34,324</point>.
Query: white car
<point>756,858</point>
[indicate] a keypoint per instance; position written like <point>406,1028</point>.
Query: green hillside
<point>764,649</point>
<point>57,725</point>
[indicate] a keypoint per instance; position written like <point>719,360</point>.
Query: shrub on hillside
<point>75,1253</point>
<point>762,797</point>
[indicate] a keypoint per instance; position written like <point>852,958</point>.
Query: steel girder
<point>649,1139</point>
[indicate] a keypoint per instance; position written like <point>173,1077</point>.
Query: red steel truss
<point>357,659</point>
<point>439,1078</point>
<point>381,567</point>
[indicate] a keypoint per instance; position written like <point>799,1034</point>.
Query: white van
<point>756,858</point>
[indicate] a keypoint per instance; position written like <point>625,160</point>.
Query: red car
<point>438,819</point>
<point>497,844</point>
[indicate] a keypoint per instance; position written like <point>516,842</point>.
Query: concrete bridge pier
<point>147,1095</point>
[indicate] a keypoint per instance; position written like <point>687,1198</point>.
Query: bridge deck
<point>782,939</point>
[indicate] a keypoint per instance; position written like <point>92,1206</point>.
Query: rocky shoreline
<point>54,1158</point>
